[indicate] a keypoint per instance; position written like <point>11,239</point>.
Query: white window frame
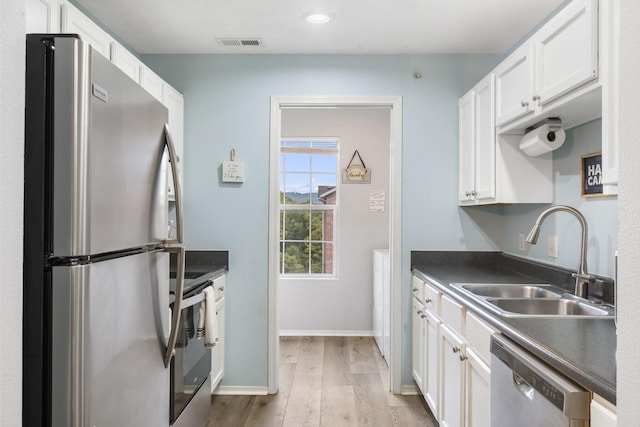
<point>311,207</point>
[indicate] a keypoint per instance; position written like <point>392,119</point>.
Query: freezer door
<point>110,326</point>
<point>109,173</point>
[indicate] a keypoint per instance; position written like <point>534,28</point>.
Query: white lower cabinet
<point>452,385</point>
<point>478,391</point>
<point>418,342</point>
<point>217,352</point>
<point>452,364</point>
<point>431,379</point>
<point>603,413</point>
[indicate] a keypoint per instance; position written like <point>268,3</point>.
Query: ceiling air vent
<point>253,42</point>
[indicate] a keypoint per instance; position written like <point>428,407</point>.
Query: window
<point>308,194</point>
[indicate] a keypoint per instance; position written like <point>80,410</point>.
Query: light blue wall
<point>227,99</point>
<point>600,213</point>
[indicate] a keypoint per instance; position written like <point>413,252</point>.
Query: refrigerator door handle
<point>177,304</point>
<point>173,157</point>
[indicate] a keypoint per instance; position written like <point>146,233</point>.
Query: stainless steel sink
<point>531,300</point>
<point>514,290</point>
<point>548,307</point>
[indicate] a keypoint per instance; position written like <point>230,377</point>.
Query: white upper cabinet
<point>566,51</point>
<point>477,143</point>
<point>491,168</point>
<point>126,61</point>
<point>151,82</point>
<point>42,16</point>
<point>466,146</point>
<point>553,74</point>
<point>514,85</point>
<point>174,101</point>
<point>609,60</point>
<point>74,21</point>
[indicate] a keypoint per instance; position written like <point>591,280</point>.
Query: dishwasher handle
<point>532,376</point>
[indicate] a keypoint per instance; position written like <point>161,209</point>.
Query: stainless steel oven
<point>191,364</point>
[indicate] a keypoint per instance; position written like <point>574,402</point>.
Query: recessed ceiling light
<point>318,18</point>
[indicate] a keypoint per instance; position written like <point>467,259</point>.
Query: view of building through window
<point>308,194</point>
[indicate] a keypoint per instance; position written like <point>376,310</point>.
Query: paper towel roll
<point>541,140</point>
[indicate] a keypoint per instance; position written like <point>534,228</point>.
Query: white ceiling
<point>359,26</point>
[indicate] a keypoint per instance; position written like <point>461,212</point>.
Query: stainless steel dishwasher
<point>526,392</point>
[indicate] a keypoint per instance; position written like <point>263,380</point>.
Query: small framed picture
<point>591,175</point>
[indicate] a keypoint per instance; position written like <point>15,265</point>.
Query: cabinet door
<point>151,82</point>
<point>478,389</point>
<point>431,378</point>
<point>452,382</point>
<point>174,101</point>
<point>417,343</point>
<point>485,139</point>
<point>74,21</point>
<point>466,146</point>
<point>609,72</point>
<point>601,416</point>
<point>126,61</point>
<point>217,352</point>
<point>42,16</point>
<point>567,51</point>
<point>514,85</point>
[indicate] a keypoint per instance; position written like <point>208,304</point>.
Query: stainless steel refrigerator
<point>98,333</point>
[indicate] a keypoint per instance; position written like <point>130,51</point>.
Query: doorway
<point>284,107</point>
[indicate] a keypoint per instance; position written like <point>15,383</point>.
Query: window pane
<point>294,162</point>
<point>296,225</point>
<point>295,143</point>
<point>296,258</point>
<point>322,258</point>
<point>317,225</point>
<point>297,184</point>
<point>324,186</point>
<point>325,144</point>
<point>323,163</point>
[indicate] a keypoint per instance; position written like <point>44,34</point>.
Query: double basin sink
<point>532,300</point>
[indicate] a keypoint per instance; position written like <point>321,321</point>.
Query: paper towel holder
<point>555,124</point>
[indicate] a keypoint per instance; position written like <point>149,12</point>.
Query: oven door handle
<point>191,301</point>
<point>177,304</point>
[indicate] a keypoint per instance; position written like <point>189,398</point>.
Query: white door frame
<point>395,217</point>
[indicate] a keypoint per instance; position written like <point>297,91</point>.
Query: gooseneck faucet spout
<point>582,277</point>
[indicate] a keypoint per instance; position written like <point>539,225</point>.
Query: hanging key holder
<point>356,173</point>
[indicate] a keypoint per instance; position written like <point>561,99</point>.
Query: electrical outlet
<point>552,246</point>
<point>521,242</point>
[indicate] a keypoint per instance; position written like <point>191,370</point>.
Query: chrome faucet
<point>582,277</point>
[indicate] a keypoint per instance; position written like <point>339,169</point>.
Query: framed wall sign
<point>591,175</point>
<point>356,173</point>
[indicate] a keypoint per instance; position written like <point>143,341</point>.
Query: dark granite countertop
<point>200,267</point>
<point>583,349</point>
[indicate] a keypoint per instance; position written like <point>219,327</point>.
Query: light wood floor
<point>325,381</point>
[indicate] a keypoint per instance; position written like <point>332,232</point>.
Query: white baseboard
<point>227,390</point>
<point>410,390</point>
<point>328,333</point>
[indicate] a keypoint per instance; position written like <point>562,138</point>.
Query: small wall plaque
<point>232,171</point>
<point>356,173</point>
<point>591,175</point>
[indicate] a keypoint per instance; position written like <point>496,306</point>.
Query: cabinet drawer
<point>478,334</point>
<point>431,299</point>
<point>417,288</point>
<point>452,314</point>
